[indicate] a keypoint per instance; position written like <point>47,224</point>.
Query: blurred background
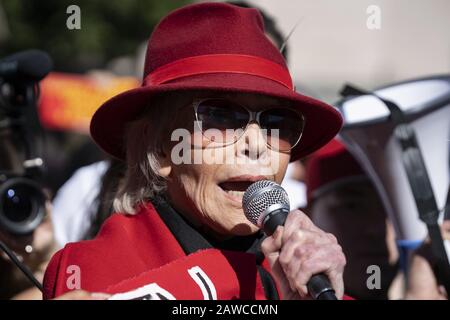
<point>332,43</point>
<point>329,43</point>
<point>89,66</point>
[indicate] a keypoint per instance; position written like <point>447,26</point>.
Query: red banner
<point>68,101</point>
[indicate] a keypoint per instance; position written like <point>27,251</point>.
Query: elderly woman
<point>216,111</point>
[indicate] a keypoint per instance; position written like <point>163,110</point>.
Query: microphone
<point>266,205</point>
<point>29,65</point>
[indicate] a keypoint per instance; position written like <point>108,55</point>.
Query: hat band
<point>220,63</point>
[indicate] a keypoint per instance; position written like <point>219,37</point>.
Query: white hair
<point>143,142</point>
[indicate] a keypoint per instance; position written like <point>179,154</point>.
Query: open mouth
<point>236,187</point>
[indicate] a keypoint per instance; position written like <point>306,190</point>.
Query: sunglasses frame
<point>254,116</point>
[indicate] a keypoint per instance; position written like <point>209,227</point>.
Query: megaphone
<point>369,133</point>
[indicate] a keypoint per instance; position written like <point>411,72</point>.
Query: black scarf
<point>191,240</point>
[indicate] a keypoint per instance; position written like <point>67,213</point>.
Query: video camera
<point>22,200</point>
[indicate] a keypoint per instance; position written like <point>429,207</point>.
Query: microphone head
<point>31,65</point>
<point>260,197</point>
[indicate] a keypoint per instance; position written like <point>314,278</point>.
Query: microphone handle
<point>319,287</point>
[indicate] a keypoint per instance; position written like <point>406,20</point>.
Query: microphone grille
<point>259,196</point>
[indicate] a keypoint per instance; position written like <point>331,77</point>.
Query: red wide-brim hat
<point>212,46</point>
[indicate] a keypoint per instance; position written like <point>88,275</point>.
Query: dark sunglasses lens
<point>284,128</point>
<point>220,114</point>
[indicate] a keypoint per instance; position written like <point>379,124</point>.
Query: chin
<point>239,228</point>
<point>244,228</point>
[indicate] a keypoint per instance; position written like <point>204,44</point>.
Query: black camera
<point>22,205</point>
<point>22,200</point>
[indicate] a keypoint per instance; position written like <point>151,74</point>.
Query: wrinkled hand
<point>300,250</point>
<point>82,295</point>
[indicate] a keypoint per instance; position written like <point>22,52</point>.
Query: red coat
<point>135,251</point>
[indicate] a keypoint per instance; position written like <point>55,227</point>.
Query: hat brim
<point>108,125</point>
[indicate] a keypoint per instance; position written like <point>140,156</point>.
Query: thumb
<point>272,244</point>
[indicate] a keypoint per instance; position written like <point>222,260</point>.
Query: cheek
<point>191,177</point>
<point>204,202</point>
<point>280,162</point>
<point>197,183</point>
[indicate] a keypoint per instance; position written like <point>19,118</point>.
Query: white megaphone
<point>369,134</point>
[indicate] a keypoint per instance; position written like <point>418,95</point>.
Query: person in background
<point>79,215</point>
<point>338,190</point>
<point>343,201</point>
<point>33,249</point>
<point>422,282</point>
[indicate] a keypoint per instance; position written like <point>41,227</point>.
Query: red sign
<point>68,101</point>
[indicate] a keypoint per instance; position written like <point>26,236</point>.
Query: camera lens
<point>22,205</point>
<point>17,204</point>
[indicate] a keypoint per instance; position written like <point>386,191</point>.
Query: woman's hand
<point>300,250</point>
<point>82,295</point>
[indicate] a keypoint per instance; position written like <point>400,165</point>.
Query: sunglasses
<point>282,127</point>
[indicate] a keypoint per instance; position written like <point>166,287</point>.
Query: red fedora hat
<point>212,46</point>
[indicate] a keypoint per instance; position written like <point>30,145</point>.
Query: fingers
<point>301,244</point>
<point>446,225</point>
<point>304,274</point>
<point>100,296</point>
<point>326,262</point>
<point>82,295</point>
<point>297,220</point>
<point>74,295</point>
<point>442,293</point>
<point>314,261</point>
<point>307,253</point>
<point>445,229</point>
<point>272,245</point>
<point>300,250</point>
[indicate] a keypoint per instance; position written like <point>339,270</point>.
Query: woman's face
<point>208,189</point>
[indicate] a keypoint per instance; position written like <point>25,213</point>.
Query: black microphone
<point>266,204</point>
<point>29,65</point>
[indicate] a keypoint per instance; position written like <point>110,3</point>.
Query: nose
<point>253,143</point>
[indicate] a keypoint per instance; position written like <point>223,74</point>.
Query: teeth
<point>237,194</point>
